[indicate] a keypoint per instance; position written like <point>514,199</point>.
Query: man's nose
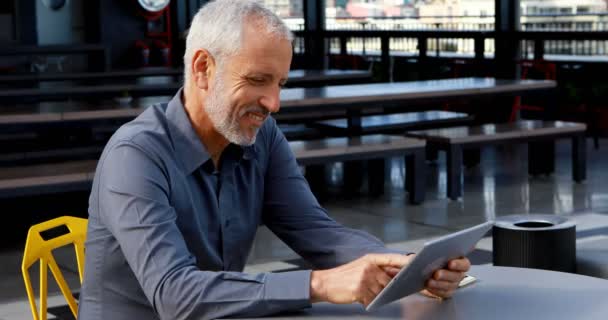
<point>271,101</point>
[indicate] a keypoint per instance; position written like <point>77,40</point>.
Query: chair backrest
<point>39,249</point>
<point>541,68</point>
<point>349,61</point>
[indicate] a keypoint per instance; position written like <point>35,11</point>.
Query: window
<point>581,9</point>
<point>548,10</point>
<point>408,14</point>
<point>531,10</point>
<point>292,12</point>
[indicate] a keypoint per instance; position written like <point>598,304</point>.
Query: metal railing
<point>408,44</point>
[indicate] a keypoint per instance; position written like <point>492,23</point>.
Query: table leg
<point>454,171</point>
<point>375,178</point>
<point>315,175</point>
<point>579,158</point>
<point>353,121</point>
<point>352,176</point>
<point>471,157</point>
<point>541,157</point>
<point>415,173</point>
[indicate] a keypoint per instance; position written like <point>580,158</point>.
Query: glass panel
<point>409,14</point>
<point>292,12</point>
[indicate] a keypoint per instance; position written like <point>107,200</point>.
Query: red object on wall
<point>158,33</point>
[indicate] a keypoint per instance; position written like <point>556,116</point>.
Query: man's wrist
<point>316,287</point>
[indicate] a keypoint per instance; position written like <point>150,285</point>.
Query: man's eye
<point>257,80</point>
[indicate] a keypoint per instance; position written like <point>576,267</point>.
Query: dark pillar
<point>507,46</point>
<point>25,22</point>
<point>314,43</point>
<point>92,21</point>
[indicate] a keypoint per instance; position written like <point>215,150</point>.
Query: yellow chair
<point>36,248</point>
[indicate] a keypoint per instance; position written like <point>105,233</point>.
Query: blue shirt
<point>169,235</point>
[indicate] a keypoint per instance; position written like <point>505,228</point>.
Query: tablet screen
<point>434,255</point>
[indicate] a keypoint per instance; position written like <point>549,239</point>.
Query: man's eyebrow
<point>266,75</point>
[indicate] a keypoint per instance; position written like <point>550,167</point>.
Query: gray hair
<point>218,28</point>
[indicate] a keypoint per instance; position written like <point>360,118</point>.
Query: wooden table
<point>309,102</point>
<point>297,78</point>
<point>405,96</point>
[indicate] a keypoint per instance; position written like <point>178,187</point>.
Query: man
<point>180,191</point>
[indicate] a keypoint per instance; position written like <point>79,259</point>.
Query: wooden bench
<point>78,175</point>
<point>97,54</point>
<point>46,179</point>
<point>375,148</point>
<point>541,156</point>
<point>87,92</point>
<point>299,132</point>
<point>395,123</point>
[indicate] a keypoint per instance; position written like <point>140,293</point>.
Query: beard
<point>225,118</point>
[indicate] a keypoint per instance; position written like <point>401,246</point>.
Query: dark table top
<point>303,101</point>
<point>296,77</point>
<point>522,128</point>
<point>120,74</point>
<point>51,49</point>
<point>353,148</point>
<point>498,293</point>
<point>407,91</point>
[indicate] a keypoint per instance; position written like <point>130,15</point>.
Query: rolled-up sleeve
<point>134,190</point>
<point>293,213</point>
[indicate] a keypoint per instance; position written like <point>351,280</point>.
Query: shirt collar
<point>188,146</point>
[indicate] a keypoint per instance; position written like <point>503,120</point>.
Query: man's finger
<point>391,271</point>
<point>429,294</point>
<point>447,275</point>
<point>438,294</point>
<point>441,285</point>
<point>383,279</point>
<point>461,264</point>
<point>389,259</point>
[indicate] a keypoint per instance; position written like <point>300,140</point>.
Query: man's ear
<point>202,67</point>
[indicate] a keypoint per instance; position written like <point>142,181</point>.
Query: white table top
<point>498,293</point>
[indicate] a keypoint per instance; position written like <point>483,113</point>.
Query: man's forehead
<point>263,61</point>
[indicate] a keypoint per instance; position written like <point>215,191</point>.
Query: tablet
<point>434,255</point>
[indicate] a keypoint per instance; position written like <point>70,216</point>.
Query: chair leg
<point>515,109</point>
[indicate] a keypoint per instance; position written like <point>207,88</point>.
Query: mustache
<point>255,109</point>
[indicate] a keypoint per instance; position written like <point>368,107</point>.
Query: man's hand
<point>358,281</point>
<point>444,282</point>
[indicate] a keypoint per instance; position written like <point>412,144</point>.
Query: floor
<point>498,186</point>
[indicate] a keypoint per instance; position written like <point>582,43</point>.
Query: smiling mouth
<point>256,116</point>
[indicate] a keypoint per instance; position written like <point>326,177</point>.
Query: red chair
<point>349,61</point>
<point>533,69</point>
